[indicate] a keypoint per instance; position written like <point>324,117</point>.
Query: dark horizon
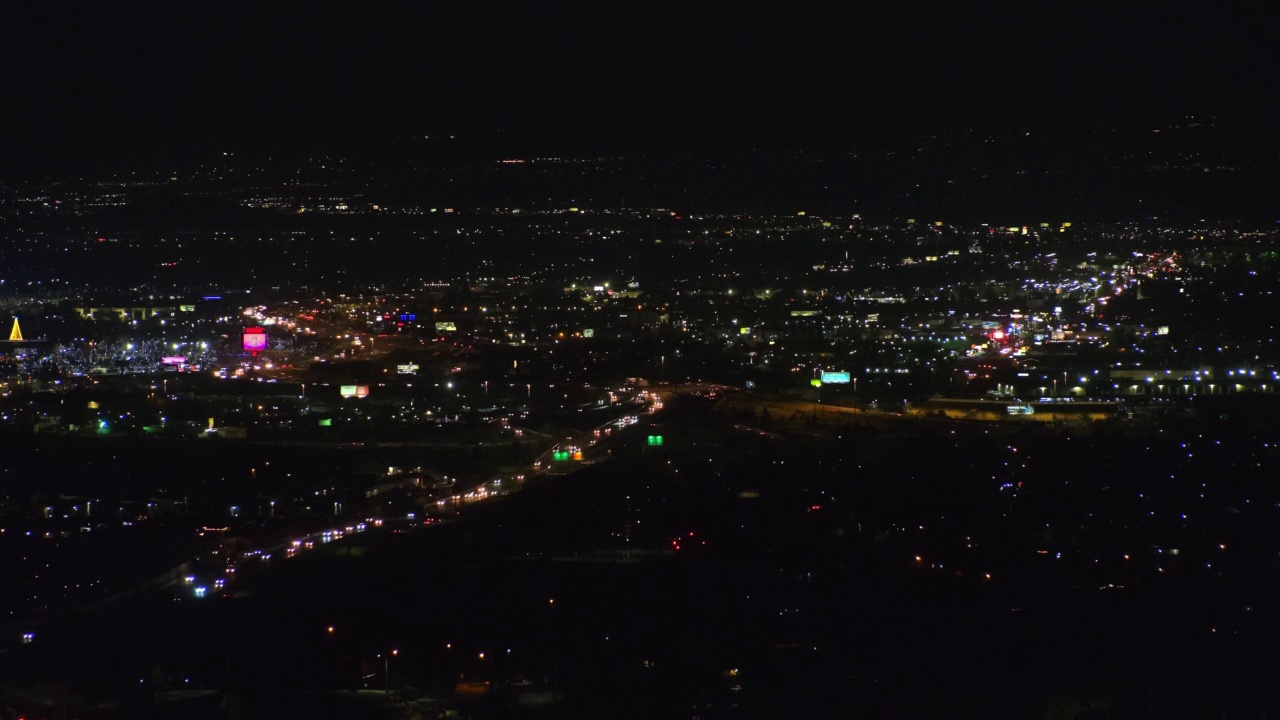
<point>102,89</point>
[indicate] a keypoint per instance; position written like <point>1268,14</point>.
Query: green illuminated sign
<point>560,455</point>
<point>655,440</point>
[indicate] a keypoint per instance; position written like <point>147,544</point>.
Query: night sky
<point>99,84</point>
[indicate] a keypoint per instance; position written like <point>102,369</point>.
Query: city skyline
<point>436,362</point>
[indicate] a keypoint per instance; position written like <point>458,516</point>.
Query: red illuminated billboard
<point>255,339</point>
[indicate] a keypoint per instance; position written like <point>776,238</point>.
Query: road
<point>594,445</point>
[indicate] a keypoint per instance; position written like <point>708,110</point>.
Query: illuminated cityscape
<point>441,366</point>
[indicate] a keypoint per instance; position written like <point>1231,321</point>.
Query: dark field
<point>593,595</point>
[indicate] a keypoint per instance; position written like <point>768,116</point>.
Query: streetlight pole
<point>386,669</point>
<point>817,392</point>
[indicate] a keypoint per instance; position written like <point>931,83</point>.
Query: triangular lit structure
<point>15,335</point>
